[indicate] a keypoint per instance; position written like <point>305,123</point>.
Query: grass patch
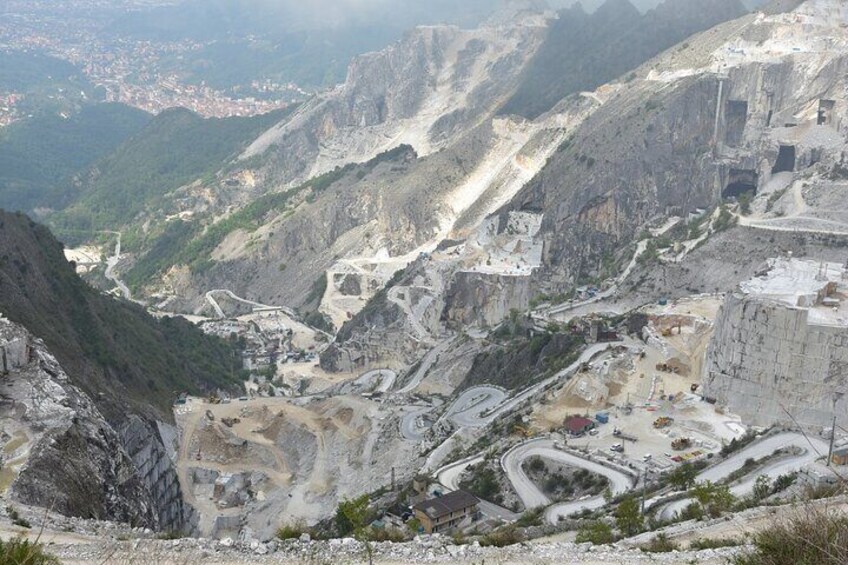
<point>502,537</point>
<point>810,537</point>
<point>660,544</point>
<point>713,543</point>
<point>19,551</point>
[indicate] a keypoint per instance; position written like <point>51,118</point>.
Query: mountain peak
<point>617,9</point>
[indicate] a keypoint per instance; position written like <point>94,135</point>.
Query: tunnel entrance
<point>785,160</point>
<point>736,116</point>
<point>825,116</point>
<point>739,182</point>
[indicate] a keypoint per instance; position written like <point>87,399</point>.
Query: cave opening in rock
<point>825,114</point>
<point>785,160</point>
<point>739,182</point>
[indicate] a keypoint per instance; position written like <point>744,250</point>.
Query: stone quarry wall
<point>14,354</point>
<point>766,362</point>
<point>484,299</point>
<point>155,466</point>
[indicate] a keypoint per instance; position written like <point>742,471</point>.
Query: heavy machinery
<point>663,422</point>
<point>627,437</point>
<point>681,443</point>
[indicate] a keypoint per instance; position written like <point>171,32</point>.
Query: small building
<point>578,425</point>
<point>840,456</point>
<point>446,512</point>
<point>602,417</point>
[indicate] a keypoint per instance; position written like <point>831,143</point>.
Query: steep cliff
<point>123,370</point>
<point>700,123</point>
<point>60,451</point>
<point>583,51</point>
<point>780,350</point>
<point>426,90</point>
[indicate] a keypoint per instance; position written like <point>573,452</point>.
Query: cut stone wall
<point>769,365</point>
<point>14,354</point>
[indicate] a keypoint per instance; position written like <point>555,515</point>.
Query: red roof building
<point>578,425</point>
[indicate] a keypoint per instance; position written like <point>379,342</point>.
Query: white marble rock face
<point>770,365</point>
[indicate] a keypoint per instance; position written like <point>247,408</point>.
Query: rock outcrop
<point>773,362</point>
<point>720,115</point>
<point>62,452</point>
<point>94,384</point>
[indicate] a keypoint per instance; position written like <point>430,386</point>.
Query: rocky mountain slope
<point>702,122</point>
<point>607,44</point>
<point>705,121</point>
<point>116,371</point>
<point>444,240</point>
<point>60,451</point>
<point>439,91</point>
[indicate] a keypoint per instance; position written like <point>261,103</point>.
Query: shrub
<point>683,477</point>
<point>745,203</point>
<point>16,518</point>
<point>352,515</point>
<point>508,535</point>
<point>714,499</point>
<point>692,512</point>
<point>532,517</point>
<point>291,531</point>
<point>384,534</point>
<point>628,517</point>
<point>660,544</point>
<point>18,551</point>
<point>815,536</point>
<point>783,482</point>
<point>713,543</point>
<point>597,533</point>
<point>414,524</point>
<point>536,464</point>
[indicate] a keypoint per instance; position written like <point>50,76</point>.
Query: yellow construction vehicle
<point>663,422</point>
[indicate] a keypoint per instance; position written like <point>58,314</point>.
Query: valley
<point>482,300</point>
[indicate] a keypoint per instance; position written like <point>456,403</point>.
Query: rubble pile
<point>429,549</point>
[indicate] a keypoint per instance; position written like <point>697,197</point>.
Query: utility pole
<point>836,398</point>
<point>644,486</point>
<point>832,437</point>
<point>393,479</point>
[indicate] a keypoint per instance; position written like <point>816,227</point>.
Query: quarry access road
<point>797,219</point>
<point>448,476</point>
<point>548,313</point>
<point>409,428</point>
<point>480,405</point>
<point>214,303</point>
<point>811,448</point>
<point>386,378</point>
<point>512,464</point>
<point>426,362</point>
<point>111,263</point>
<point>210,299</point>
